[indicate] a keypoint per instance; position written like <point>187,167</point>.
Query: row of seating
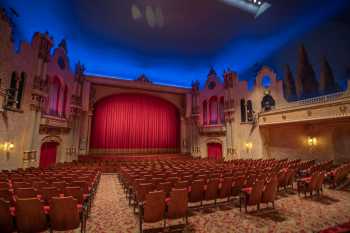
<point>35,200</point>
<point>311,184</point>
<point>252,181</point>
<point>339,174</point>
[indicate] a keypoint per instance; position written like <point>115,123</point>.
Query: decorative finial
<point>63,45</point>
<point>212,71</point>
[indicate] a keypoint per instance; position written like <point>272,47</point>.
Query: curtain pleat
<point>135,121</point>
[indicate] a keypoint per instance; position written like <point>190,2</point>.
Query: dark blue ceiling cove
<point>172,42</point>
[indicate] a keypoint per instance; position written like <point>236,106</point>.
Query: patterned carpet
<point>111,213</point>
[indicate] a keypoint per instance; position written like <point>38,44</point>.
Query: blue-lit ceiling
<point>172,42</point>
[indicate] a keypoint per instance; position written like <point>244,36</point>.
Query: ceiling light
<point>256,7</point>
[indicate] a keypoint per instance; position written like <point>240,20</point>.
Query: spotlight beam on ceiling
<point>255,7</point>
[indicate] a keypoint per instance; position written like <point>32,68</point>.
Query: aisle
<point>110,212</point>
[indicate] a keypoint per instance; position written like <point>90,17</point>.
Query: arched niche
<point>264,74</point>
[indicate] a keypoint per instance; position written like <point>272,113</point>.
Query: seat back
<point>270,192</point>
<point>165,186</point>
<point>313,182</point>
<point>197,191</point>
<point>142,190</point>
<point>5,194</point>
<point>154,207</point>
<point>75,192</point>
<point>30,216</point>
<point>226,187</point>
<point>17,185</point>
<point>178,204</point>
<point>6,220</point>
<point>211,192</point>
<point>60,185</point>
<point>48,193</point>
<point>256,193</point>
<point>64,214</point>
<point>181,184</point>
<point>26,193</point>
<point>320,180</point>
<point>237,185</point>
<point>4,185</point>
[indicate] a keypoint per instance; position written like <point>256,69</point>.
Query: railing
<point>55,113</point>
<point>316,100</point>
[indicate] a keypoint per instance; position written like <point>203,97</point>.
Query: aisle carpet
<point>111,214</point>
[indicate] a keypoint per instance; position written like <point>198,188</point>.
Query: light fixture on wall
<point>248,146</point>
<point>312,141</point>
<point>7,147</point>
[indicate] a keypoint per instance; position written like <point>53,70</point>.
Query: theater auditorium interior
<point>201,116</point>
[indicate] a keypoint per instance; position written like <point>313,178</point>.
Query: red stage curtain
<point>214,151</point>
<point>48,154</point>
<point>135,122</point>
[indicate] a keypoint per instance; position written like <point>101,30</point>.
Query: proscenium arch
<point>99,100</point>
<point>137,123</point>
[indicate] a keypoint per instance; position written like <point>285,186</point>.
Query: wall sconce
<point>312,141</point>
<point>248,146</point>
<point>7,147</point>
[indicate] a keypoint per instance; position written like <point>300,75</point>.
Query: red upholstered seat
<point>247,190</point>
<point>13,211</point>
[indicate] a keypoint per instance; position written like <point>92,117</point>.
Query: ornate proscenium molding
<point>144,79</point>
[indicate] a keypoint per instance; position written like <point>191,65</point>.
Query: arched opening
<point>65,99</point>
<point>266,82</point>
<point>54,96</point>
<point>213,110</point>
<point>205,112</point>
<point>214,151</point>
<point>12,92</point>
<point>48,153</point>
<point>135,123</point>
<point>221,110</point>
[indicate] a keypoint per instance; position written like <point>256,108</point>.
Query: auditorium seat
<point>30,216</point>
<point>270,192</point>
<point>6,219</point>
<point>153,209</point>
<point>225,190</point>
<point>65,214</point>
<point>252,195</point>
<point>178,205</point>
<point>197,191</point>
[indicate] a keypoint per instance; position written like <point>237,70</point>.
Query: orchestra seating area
<point>157,189</point>
<point>55,199</point>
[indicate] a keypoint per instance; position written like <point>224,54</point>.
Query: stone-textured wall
<point>24,126</point>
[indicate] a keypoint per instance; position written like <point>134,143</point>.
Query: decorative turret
<point>327,81</point>
<point>195,98</point>
<point>79,71</point>
<point>306,82</point>
<point>212,71</point>
<point>289,84</point>
<point>229,78</point>
<point>46,43</point>
<point>144,79</point>
<point>63,45</point>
